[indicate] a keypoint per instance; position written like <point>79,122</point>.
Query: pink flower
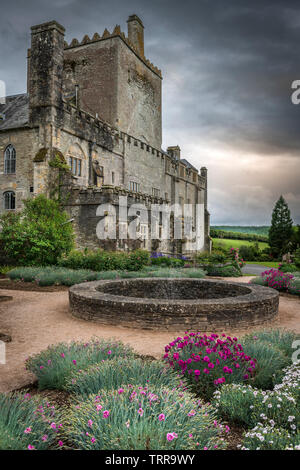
<point>30,447</point>
<point>60,443</point>
<point>121,390</point>
<point>192,413</point>
<point>197,372</point>
<point>141,411</point>
<point>44,438</point>
<point>53,425</point>
<point>90,423</point>
<point>161,417</point>
<point>105,414</point>
<point>74,362</point>
<point>93,440</point>
<point>171,436</point>
<point>109,352</point>
<point>62,355</point>
<point>27,430</point>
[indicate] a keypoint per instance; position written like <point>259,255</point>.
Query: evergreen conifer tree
<point>281,229</point>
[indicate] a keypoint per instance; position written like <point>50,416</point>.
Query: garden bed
<point>28,286</point>
<point>100,395</point>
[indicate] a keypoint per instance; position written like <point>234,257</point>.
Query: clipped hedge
<point>100,260</point>
<point>223,271</point>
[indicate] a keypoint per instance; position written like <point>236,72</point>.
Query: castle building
<point>89,128</point>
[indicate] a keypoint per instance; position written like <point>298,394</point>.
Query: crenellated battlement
<point>107,35</point>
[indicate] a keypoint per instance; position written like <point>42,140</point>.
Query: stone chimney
<point>46,71</point>
<point>136,33</point>
<point>174,151</point>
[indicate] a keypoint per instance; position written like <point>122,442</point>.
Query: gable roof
<point>15,112</point>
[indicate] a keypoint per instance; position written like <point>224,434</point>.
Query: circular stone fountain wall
<point>174,304</point>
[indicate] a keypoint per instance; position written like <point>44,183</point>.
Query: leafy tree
<point>296,238</point>
<point>38,235</point>
<point>281,229</point>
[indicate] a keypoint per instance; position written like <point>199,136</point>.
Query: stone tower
<point>45,73</point>
<point>115,81</point>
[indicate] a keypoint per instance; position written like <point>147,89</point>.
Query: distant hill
<point>249,229</point>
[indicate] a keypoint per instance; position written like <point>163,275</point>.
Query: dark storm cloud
<point>228,66</point>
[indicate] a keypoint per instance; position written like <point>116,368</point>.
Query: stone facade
<point>96,105</point>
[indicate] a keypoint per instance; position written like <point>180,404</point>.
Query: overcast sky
<point>227,65</point>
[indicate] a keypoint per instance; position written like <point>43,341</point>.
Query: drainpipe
<point>90,163</point>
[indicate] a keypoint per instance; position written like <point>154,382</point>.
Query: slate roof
<point>188,164</point>
<point>15,111</point>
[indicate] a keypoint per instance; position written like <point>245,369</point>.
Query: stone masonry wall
<point>25,142</point>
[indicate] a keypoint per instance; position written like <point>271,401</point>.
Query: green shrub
<point>258,280</point>
<point>167,261</point>
<point>110,375</point>
<point>206,258</point>
<point>53,275</point>
<point>235,402</point>
<point>276,337</point>
<point>270,362</point>
<point>54,365</point>
<point>294,287</point>
<point>280,407</point>
<point>99,260</point>
<point>142,418</point>
<point>48,276</point>
<point>25,422</point>
<point>5,269</point>
<point>223,271</point>
<point>194,273</point>
<point>250,252</point>
<point>38,235</point>
<point>288,268</point>
<point>291,382</point>
<point>249,406</point>
<point>270,438</point>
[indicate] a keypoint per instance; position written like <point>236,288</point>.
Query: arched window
<point>10,160</point>
<point>9,200</point>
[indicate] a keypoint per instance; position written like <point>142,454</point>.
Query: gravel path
<point>35,320</point>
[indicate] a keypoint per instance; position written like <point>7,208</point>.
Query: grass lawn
<point>269,264</point>
<point>228,243</point>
